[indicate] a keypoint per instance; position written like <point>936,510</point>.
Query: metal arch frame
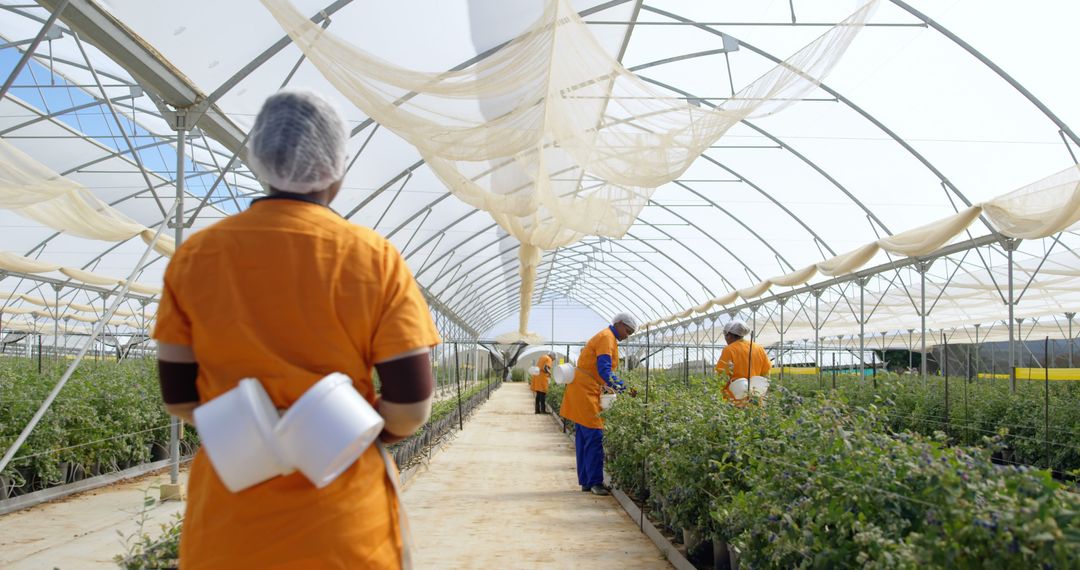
<point>487,228</point>
<point>632,297</point>
<point>993,66</point>
<point>508,289</point>
<point>1014,85</point>
<point>589,294</point>
<point>507,307</point>
<point>783,146</point>
<point>646,260</point>
<point>507,286</point>
<point>823,86</point>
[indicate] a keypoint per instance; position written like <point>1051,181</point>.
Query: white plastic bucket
<point>327,429</point>
<point>738,388</point>
<point>237,432</point>
<point>606,401</point>
<point>564,373</point>
<point>534,371</point>
<point>758,386</point>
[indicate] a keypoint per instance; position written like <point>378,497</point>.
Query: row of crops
<point>109,417</point>
<point>822,478</point>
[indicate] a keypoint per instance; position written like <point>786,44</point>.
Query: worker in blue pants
<point>595,373</point>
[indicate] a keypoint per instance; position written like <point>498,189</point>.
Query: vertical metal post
<point>686,362</point>
<point>1046,400</point>
<point>833,370</point>
<point>1070,316</point>
<point>56,323</point>
<point>923,268</point>
<point>780,357</point>
<point>178,235</point>
<point>911,348</point>
<point>945,372</point>
<point>862,327</point>
<point>457,380</point>
<point>645,419</point>
<point>1009,247</point>
<point>817,336</point>
<point>978,343</point>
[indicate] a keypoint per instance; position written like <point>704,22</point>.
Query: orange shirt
<point>540,381</point>
<point>581,402</point>
<point>288,292</point>
<point>735,362</point>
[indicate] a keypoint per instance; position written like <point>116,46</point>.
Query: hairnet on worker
<point>626,319</point>
<point>298,142</point>
<point>737,328</point>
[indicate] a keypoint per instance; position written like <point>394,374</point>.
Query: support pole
<point>944,367</point>
<point>781,355</point>
<point>1010,245</point>
<point>1046,401</point>
<point>862,327</point>
<point>924,266</point>
<point>174,422</point>
<point>1070,316</point>
<point>817,336</point>
<point>975,366</point>
<point>457,381</point>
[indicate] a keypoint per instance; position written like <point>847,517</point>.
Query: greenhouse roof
<point>934,108</point>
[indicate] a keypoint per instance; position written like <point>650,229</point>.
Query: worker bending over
<point>595,373</point>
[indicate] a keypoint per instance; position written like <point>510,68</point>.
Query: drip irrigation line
<point>58,450</point>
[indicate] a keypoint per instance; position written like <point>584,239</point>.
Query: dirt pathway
<point>504,494</point>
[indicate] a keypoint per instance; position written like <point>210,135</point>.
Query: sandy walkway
<point>504,494</point>
<point>81,532</point>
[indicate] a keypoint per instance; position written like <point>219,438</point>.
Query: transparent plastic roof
<point>909,128</point>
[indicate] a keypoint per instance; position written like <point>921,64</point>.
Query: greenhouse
<point>786,284</point>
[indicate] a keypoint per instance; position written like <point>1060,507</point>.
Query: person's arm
<point>724,365</point>
<point>177,372</point>
<point>603,367</point>
<point>407,389</point>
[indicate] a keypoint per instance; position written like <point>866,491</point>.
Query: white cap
<point>737,328</point>
<point>625,319</point>
<point>298,142</point>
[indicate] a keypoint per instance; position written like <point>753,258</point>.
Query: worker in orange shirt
<point>595,373</point>
<point>740,358</point>
<point>539,383</point>
<point>288,292</point>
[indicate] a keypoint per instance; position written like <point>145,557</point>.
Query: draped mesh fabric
<point>550,134</point>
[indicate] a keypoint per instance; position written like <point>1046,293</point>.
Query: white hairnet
<point>625,319</point>
<point>298,142</point>
<point>736,327</point>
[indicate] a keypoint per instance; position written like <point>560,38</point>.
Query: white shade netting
<point>549,133</point>
<point>1038,210</point>
<point>33,190</point>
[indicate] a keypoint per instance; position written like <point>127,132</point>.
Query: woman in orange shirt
<point>740,359</point>
<point>287,292</point>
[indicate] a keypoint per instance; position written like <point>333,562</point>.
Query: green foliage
<point>813,481</point>
<point>109,416</point>
<point>145,552</point>
<point>976,409</point>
